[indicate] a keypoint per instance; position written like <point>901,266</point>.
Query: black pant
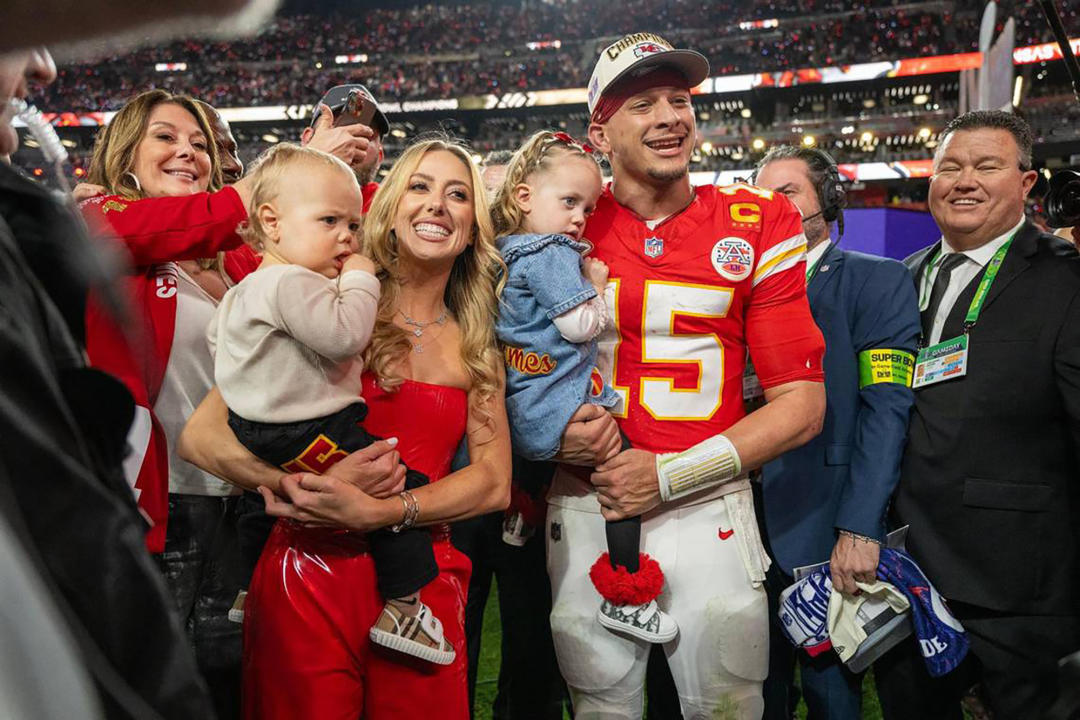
<point>529,686</point>
<point>624,536</point>
<point>200,565</point>
<point>404,562</point>
<point>1013,659</point>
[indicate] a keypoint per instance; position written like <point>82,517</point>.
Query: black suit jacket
<point>989,481</point>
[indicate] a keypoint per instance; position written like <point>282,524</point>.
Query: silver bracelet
<point>412,509</point>
<point>864,538</point>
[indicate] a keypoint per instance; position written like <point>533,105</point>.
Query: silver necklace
<point>419,327</point>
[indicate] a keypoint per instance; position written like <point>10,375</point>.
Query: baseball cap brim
<point>335,97</point>
<point>690,63</point>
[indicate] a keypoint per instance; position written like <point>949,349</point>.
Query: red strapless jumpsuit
<point>313,598</point>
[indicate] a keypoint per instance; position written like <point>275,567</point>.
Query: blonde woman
<point>433,375</point>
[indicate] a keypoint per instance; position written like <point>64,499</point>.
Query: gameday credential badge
<point>654,247</point>
<point>733,258</point>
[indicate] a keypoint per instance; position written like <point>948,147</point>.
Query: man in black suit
<point>989,481</point>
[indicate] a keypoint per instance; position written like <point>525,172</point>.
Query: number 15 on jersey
<point>676,373</point>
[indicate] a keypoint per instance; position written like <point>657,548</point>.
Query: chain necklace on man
<point>418,328</point>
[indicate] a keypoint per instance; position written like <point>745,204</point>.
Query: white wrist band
<point>707,464</point>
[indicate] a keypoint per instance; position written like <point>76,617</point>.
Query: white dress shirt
<point>814,254</point>
<point>961,277</point>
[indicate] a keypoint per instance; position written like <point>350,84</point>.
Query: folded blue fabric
<point>941,637</point>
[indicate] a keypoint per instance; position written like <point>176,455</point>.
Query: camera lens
<point>1063,200</point>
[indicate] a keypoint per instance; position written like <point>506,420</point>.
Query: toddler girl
<point>552,311</point>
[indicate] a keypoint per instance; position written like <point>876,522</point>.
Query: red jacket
<point>156,232</point>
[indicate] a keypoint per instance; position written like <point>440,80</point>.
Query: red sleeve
<point>241,262</point>
<point>785,343</point>
<point>368,193</point>
<point>164,229</point>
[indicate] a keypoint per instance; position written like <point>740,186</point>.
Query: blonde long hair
<point>472,290</point>
<point>113,160</point>
<point>540,152</point>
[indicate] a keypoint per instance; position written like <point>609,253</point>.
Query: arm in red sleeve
<point>164,229</point>
<point>785,343</point>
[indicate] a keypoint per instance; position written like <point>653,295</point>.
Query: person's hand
<point>596,272</point>
<point>350,143</point>
<point>85,191</point>
<point>626,485</point>
<point>590,438</point>
<point>853,559</point>
<point>322,500</point>
<point>376,469</point>
<point>356,261</point>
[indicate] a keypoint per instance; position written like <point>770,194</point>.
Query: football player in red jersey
<point>698,276</point>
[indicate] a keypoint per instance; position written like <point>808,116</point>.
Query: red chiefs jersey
<point>689,297</point>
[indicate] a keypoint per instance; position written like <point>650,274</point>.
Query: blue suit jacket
<point>843,478</point>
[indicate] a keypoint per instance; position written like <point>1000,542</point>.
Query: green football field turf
<point>489,670</point>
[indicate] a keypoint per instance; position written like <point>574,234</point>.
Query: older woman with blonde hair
<point>164,208</point>
<point>433,375</point>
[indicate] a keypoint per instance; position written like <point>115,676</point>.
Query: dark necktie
<point>941,284</point>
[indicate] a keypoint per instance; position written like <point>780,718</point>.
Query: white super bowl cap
<point>638,53</point>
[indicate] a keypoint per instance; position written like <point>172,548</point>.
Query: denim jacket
<point>547,377</point>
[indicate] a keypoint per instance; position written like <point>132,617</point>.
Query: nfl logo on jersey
<point>654,247</point>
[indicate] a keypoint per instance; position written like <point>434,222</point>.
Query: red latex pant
<point>310,606</point>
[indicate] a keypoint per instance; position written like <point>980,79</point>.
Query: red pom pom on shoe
<point>620,587</point>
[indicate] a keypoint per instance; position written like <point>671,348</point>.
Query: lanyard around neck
<point>982,291</point>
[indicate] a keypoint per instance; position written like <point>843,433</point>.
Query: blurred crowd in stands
<point>437,51</point>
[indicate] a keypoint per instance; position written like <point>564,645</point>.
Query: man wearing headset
<point>827,499</point>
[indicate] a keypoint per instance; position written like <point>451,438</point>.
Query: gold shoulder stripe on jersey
<point>780,257</point>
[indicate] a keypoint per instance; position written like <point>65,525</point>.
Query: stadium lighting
<point>758,144</point>
<point>1018,90</point>
<point>847,129</point>
<point>924,133</point>
<point>398,133</point>
<point>746,112</point>
<point>921,99</point>
<point>350,59</point>
<point>866,138</point>
<point>271,138</point>
<point>170,67</point>
<point>809,140</point>
<point>68,143</point>
<point>707,147</point>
